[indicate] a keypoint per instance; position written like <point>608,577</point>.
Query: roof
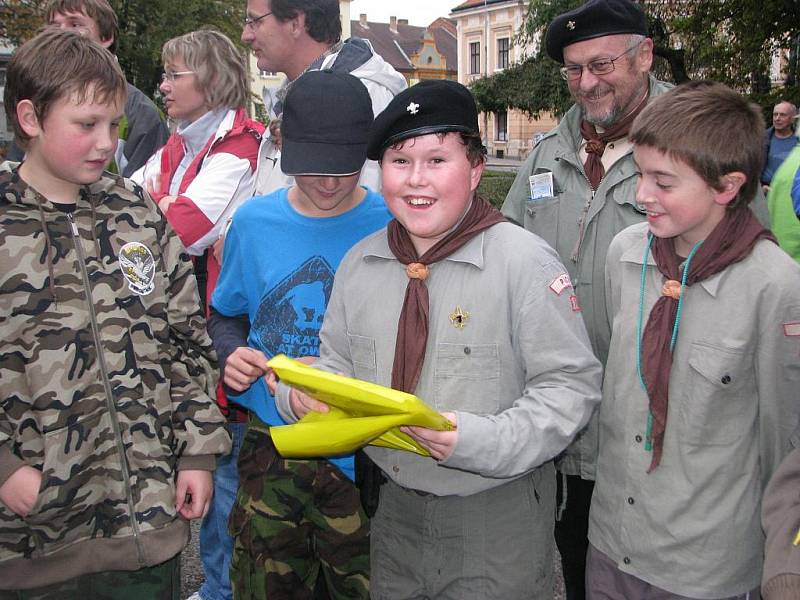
<point>397,47</point>
<point>475,4</point>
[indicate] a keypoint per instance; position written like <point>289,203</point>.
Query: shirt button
<point>611,146</point>
<point>626,560</point>
<point>631,500</point>
<point>396,469</point>
<point>467,350</point>
<point>638,439</point>
<point>726,379</point>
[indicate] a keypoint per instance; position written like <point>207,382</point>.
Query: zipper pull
<point>73,224</point>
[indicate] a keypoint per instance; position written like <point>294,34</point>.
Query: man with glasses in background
<point>577,190</point>
<point>295,36</point>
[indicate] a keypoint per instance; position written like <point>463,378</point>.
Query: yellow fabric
<point>360,413</point>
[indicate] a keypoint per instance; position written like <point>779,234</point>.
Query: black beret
<point>595,18</point>
<point>431,106</point>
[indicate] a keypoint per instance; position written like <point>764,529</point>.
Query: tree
<point>727,40</point>
<point>144,26</point>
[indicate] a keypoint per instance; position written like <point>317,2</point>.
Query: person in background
<point>297,522</point>
<point>295,36</point>
<point>780,516</point>
<point>142,131</point>
<point>108,431</point>
<point>783,200</point>
<point>779,140</point>
<point>199,178</point>
<point>700,390</point>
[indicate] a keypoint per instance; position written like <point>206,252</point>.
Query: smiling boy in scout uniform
<point>478,318</point>
<point>700,389</point>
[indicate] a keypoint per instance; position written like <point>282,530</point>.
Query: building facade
<point>486,45</point>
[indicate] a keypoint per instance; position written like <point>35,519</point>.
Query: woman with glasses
<point>199,178</point>
<point>205,170</point>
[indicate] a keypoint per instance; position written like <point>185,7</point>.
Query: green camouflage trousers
<point>292,518</point>
<point>161,582</point>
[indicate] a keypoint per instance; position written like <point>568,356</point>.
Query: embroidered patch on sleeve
<point>791,329</point>
<point>561,283</point>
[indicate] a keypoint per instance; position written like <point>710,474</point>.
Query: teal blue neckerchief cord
<point>649,432</point>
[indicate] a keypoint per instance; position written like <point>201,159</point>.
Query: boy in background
<point>142,130</point>
<point>108,432</point>
<point>293,518</point>
<point>700,391</point>
<point>477,317</point>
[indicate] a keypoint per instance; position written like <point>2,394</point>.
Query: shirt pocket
<point>541,216</point>
<point>467,377</point>
<point>362,354</point>
<point>719,400</point>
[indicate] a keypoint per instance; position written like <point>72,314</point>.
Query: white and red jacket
<point>216,182</point>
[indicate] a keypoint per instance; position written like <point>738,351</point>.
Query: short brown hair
<point>98,10</point>
<point>709,127</point>
<point>56,64</point>
<point>218,66</point>
<point>473,145</point>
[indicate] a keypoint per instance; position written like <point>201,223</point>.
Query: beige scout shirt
<point>520,374</point>
<point>692,526</point>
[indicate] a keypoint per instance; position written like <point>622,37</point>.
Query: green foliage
<point>494,186</point>
<point>144,27</point>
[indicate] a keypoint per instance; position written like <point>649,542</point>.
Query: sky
<point>418,12</point>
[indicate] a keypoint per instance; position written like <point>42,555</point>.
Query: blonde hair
<point>218,66</point>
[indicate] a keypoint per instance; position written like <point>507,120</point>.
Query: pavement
<point>503,164</point>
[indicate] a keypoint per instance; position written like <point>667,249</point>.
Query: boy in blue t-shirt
<point>293,517</point>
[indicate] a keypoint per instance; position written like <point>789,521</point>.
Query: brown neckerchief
<point>731,241</point>
<point>596,142</point>
<point>412,328</point>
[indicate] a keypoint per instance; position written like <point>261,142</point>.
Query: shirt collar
<point>635,253</point>
<point>471,253</point>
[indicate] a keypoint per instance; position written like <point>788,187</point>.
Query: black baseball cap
<point>594,19</point>
<point>326,121</point>
<point>431,106</point>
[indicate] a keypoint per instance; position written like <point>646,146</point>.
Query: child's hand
<point>20,491</point>
<point>271,378</point>
<point>302,404</point>
<point>195,489</point>
<point>440,444</point>
<point>243,367</point>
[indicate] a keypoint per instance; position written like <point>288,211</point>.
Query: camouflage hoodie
<point>108,397</point>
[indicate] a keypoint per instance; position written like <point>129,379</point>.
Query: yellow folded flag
<point>360,413</point>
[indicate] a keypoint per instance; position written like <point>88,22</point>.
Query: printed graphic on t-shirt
<point>289,317</point>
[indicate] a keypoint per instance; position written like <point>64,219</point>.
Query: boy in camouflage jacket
<point>108,433</point>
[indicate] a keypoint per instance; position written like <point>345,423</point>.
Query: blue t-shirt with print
<point>278,268</point>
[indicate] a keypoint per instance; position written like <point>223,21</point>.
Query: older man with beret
<point>577,191</point>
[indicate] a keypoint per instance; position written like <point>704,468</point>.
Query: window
<point>502,53</point>
<point>474,58</point>
<point>501,126</point>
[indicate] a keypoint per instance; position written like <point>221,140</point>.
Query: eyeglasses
<point>601,66</point>
<point>173,75</point>
<point>251,22</point>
